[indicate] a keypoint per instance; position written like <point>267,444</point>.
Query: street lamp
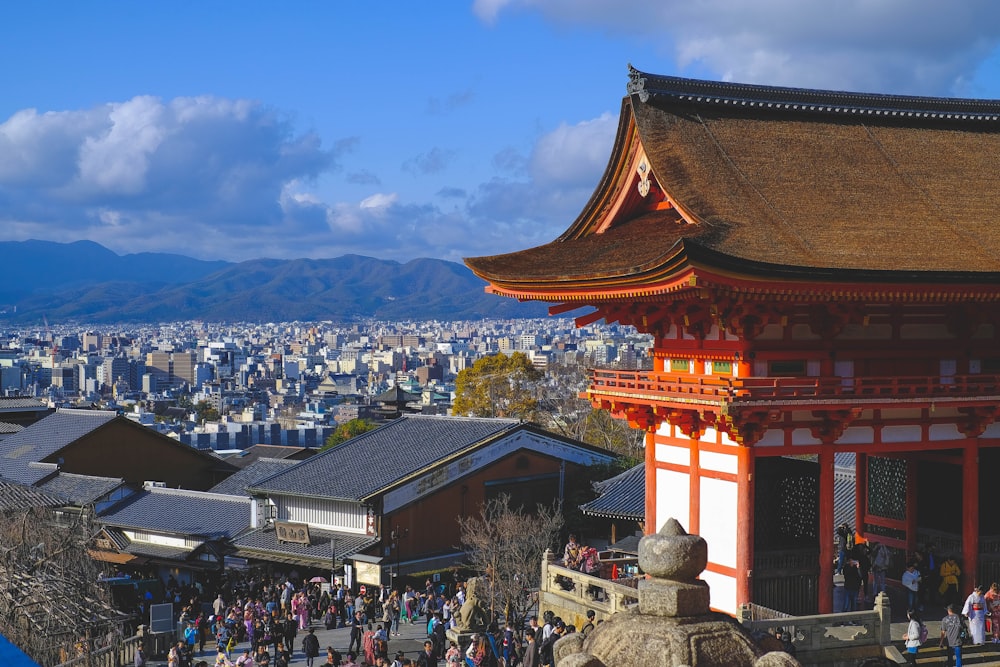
<point>396,536</point>
<point>333,560</point>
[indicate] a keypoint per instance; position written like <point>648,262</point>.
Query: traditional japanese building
<point>820,272</point>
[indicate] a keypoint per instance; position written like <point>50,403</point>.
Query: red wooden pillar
<point>650,526</point>
<point>860,492</point>
<point>970,514</point>
<point>744,525</point>
<point>826,530</point>
<point>694,488</point>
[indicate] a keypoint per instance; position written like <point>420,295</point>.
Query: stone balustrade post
<point>884,612</point>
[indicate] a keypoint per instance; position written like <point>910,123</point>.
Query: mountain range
<point>86,282</point>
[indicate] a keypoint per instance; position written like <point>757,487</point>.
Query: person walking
<point>852,585</point>
<point>951,637</point>
<point>950,572</point>
<point>911,582</point>
<point>914,636</point>
<point>975,610</point>
<point>310,646</point>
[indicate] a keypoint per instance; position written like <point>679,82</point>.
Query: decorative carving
<point>829,319</point>
<point>691,423</point>
<point>747,427</point>
<point>832,424</point>
<point>637,84</point>
<point>979,417</point>
<point>643,170</point>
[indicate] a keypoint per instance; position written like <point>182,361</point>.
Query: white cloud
<point>903,46</point>
<point>138,174</point>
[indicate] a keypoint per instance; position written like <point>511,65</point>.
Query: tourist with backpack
<point>916,634</point>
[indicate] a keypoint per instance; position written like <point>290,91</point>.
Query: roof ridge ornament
<point>637,84</point>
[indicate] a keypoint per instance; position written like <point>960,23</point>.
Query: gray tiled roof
<point>263,542</point>
<point>260,469</point>
<point>20,403</point>
<point>81,489</point>
<point>16,497</point>
<point>374,460</point>
<point>159,550</point>
<point>43,438</point>
<point>118,537</point>
<point>622,497</point>
<point>8,429</point>
<point>179,512</point>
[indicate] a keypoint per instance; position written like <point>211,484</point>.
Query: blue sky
<point>396,130</point>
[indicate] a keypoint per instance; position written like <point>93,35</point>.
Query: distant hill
<point>86,282</point>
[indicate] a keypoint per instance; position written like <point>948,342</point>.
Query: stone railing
<point>832,639</point>
<point>562,587</point>
<point>123,655</point>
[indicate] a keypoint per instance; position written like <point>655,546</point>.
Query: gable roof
<point>777,182</point>
<point>622,497</point>
<point>261,468</point>
<point>247,456</point>
<point>372,461</point>
<point>80,489</point>
<point>15,497</point>
<point>263,543</point>
<point>43,439</point>
<point>209,516</point>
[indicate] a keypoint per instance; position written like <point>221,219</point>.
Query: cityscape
<point>305,377</point>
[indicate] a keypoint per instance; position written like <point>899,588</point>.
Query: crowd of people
<point>256,621</point>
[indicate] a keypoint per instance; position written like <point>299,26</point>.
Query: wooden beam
<point>744,525</point>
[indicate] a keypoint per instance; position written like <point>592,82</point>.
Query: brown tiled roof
<point>786,182</point>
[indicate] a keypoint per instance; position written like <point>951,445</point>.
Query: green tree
<point>348,430</point>
<point>498,386</point>
<point>206,412</point>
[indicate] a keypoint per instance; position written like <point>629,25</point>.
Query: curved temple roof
<point>777,184</point>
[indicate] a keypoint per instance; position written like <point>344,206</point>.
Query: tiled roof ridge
<point>78,475</point>
<point>462,417</point>
<point>190,493</point>
<point>80,411</point>
<point>805,100</point>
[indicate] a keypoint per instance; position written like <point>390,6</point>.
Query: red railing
<point>680,386</point>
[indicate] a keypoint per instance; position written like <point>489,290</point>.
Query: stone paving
<point>410,640</point>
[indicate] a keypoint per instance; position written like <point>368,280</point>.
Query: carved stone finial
<point>637,84</point>
<point>674,560</point>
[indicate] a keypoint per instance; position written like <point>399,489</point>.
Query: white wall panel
<point>718,519</point>
<point>672,454</point>
<point>722,589</point>
<point>673,497</point>
<point>718,462</point>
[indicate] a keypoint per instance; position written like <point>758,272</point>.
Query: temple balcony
<point>654,388</point>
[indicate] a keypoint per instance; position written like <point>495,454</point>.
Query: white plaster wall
<point>710,435</point>
<point>909,433</point>
<point>718,519</point>
<point>944,432</point>
<point>722,589</point>
<point>802,436</point>
<point>773,437</point>
<point>718,462</point>
<point>672,454</point>
<point>673,497</point>
<point>992,431</point>
<point>857,435</point>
